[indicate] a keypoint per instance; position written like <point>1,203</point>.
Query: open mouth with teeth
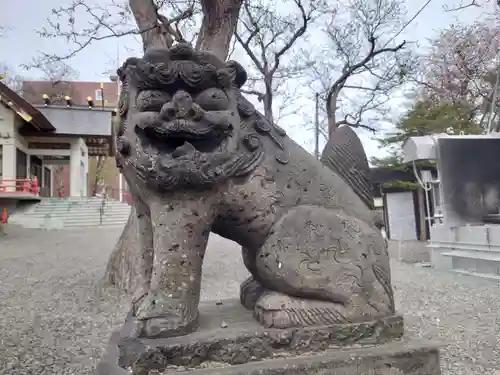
<point>181,141</point>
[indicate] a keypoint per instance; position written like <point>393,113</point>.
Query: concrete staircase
<point>55,213</point>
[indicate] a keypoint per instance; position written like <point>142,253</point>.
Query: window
<point>98,94</point>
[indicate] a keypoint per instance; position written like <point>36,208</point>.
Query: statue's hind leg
<point>322,266</point>
<point>250,289</point>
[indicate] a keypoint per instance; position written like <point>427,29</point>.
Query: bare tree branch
<point>83,23</point>
<point>10,78</point>
<point>462,6</point>
<point>258,94</point>
<point>348,71</point>
<point>267,36</point>
<point>220,18</point>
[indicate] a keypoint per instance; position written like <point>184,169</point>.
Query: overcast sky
<point>24,17</point>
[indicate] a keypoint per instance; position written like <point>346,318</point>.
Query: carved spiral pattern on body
<point>252,141</point>
<point>245,108</point>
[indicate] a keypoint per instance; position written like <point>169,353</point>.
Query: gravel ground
<point>56,316</point>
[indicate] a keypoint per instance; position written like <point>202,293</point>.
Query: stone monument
<point>198,157</point>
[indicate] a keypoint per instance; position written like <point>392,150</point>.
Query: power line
<point>409,22</point>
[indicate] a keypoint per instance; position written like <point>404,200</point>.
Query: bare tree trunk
<point>146,16</point>
<point>218,26</point>
<point>268,102</point>
<point>121,270</point>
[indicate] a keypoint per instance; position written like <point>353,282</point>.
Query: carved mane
<point>184,65</point>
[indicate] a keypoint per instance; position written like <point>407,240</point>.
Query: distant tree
<point>10,78</point>
<point>426,118</point>
<point>58,76</point>
<point>459,68</point>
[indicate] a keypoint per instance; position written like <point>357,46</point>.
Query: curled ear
<point>182,51</point>
<point>131,61</point>
<point>238,73</point>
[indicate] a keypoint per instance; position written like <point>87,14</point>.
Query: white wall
<point>78,175</point>
<point>401,216</point>
<point>7,141</point>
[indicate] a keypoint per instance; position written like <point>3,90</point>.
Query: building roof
<point>82,121</point>
<point>77,90</point>
<point>379,175</point>
<point>24,109</point>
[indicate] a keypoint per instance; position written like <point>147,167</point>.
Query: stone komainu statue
<point>198,157</point>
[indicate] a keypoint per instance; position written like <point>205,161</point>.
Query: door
<point>401,216</point>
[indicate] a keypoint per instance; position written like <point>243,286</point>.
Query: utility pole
<point>316,129</point>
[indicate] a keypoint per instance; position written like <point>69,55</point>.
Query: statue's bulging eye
<point>152,100</point>
<point>213,100</point>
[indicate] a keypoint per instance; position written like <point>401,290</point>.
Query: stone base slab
<point>229,341</point>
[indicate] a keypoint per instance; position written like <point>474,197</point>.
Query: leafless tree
<point>10,78</point>
<point>4,30</point>
<point>56,77</point>
<point>358,68</point>
<point>462,5</point>
<point>268,36</point>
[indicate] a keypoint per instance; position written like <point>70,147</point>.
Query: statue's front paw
<point>163,318</point>
<point>168,326</point>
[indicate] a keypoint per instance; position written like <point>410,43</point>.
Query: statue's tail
<point>345,155</point>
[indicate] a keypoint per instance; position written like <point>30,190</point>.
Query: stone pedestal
<point>230,342</point>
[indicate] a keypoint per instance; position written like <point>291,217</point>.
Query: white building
<point>35,139</point>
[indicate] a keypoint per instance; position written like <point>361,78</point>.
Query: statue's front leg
<point>180,236</point>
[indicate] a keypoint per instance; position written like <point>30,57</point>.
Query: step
<point>77,213</point>
<point>46,208</point>
<point>89,221</point>
<point>73,213</point>
<point>93,225</point>
<point>111,223</point>
<point>481,255</point>
<point>82,207</point>
<point>490,276</point>
<point>123,216</point>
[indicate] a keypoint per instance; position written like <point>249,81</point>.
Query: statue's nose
<point>180,106</point>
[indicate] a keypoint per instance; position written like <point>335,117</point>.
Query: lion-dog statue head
<point>179,120</point>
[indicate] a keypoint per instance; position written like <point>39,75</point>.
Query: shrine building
<point>36,139</point>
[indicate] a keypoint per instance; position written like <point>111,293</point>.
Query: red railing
<point>19,186</point>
